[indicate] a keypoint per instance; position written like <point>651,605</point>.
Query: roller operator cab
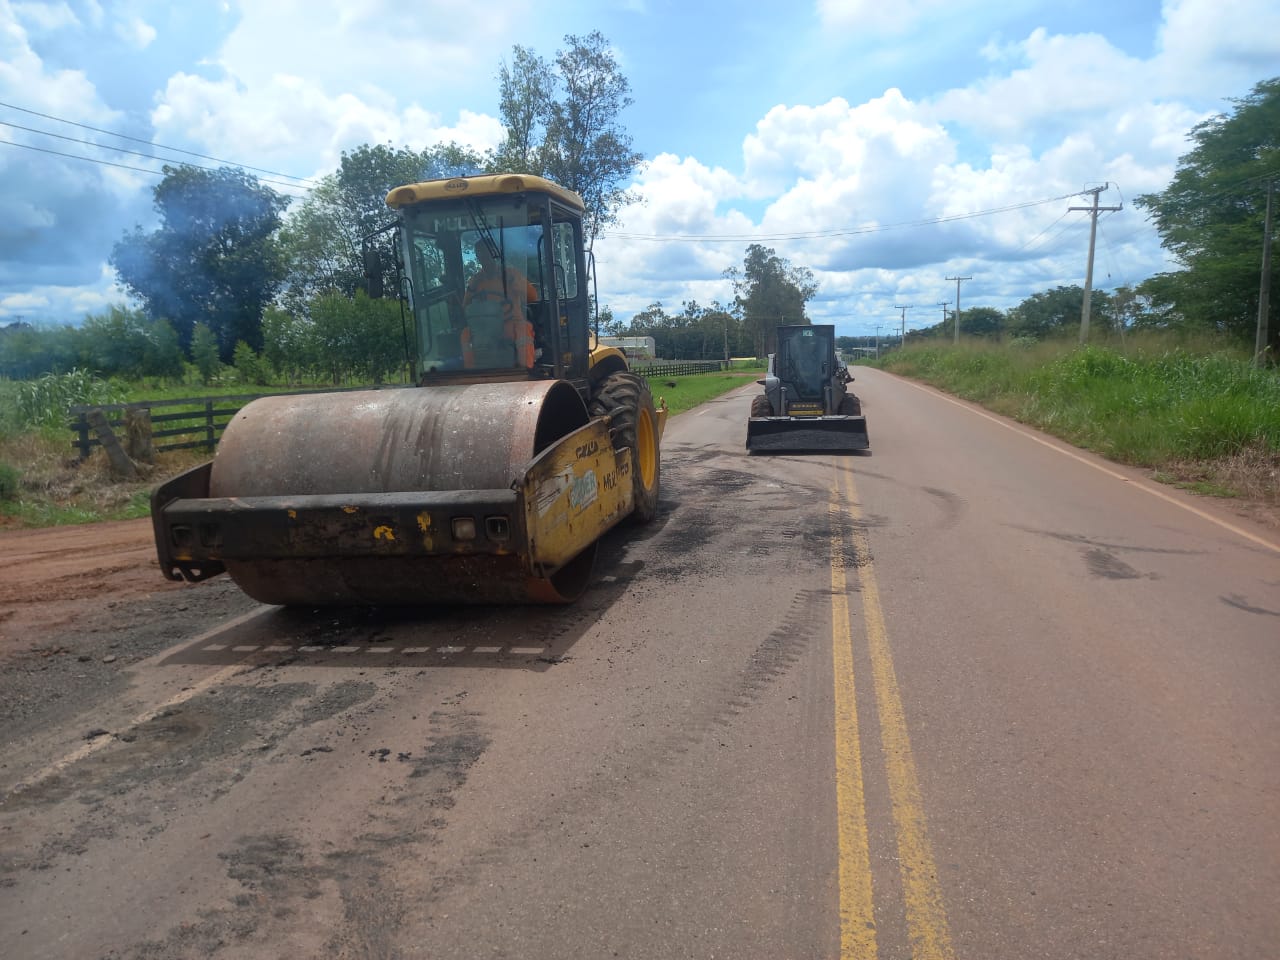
<point>494,273</point>
<point>491,481</point>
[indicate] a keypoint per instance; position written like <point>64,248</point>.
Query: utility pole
<point>1264,293</point>
<point>957,280</point>
<point>878,326</point>
<point>944,304</point>
<point>1093,211</point>
<point>904,321</point>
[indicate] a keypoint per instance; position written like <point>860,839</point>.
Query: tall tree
<point>526,90</point>
<point>769,292</point>
<point>981,322</point>
<point>127,343</point>
<point>562,122</point>
<point>1210,218</point>
<point>1056,312</point>
<point>213,259</point>
<point>322,239</point>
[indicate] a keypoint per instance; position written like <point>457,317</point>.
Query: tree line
<point>768,292</point>
<point>232,276</point>
<point>232,269</point>
<point>1045,315</point>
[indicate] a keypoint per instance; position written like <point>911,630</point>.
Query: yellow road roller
<point>490,480</point>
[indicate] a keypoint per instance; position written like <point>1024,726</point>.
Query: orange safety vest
<point>519,332</point>
<point>490,287</point>
<point>515,328</point>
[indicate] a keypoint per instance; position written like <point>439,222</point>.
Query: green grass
<point>40,486</point>
<point>1152,402</point>
<point>697,389</point>
<point>40,513</point>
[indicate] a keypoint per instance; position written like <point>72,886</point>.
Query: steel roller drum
<point>431,440</point>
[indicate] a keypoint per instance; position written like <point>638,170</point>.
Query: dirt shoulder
<point>66,580</point>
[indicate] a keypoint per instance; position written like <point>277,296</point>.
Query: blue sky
<point>758,122</point>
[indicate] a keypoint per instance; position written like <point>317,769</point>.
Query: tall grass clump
<point>1150,409</point>
<point>992,375</point>
<point>45,403</point>
<point>9,422</point>
<point>10,481</point>
<point>1150,402</point>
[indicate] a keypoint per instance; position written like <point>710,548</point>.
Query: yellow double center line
<point>925,914</point>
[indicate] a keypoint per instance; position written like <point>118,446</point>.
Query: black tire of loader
<point>624,398</point>
<point>760,406</point>
<point>850,406</point>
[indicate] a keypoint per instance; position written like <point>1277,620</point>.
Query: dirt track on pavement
<point>67,579</point>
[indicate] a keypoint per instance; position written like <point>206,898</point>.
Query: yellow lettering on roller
<point>424,522</point>
<point>350,509</point>
<point>383,532</point>
<point>293,514</point>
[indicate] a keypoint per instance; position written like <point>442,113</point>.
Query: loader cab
<point>805,378</point>
<point>495,280</point>
<point>805,360</point>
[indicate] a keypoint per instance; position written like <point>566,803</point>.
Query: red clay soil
<point>60,577</point>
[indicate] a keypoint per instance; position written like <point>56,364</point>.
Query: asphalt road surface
<point>976,694</point>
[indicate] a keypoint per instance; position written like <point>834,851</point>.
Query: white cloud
<point>24,78</point>
<point>1063,79</point>
<point>58,216</point>
<point>1228,44</point>
<point>15,303</point>
<point>891,162</point>
<point>297,105</point>
<point>65,303</point>
<point>876,16</point>
<point>287,117</point>
<point>369,44</point>
<point>861,144</point>
<point>136,32</point>
<point>296,82</point>
<point>45,17</point>
<point>676,196</point>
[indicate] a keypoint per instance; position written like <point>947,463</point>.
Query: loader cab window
<point>803,359</point>
<point>477,277</point>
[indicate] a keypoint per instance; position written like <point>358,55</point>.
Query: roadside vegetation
<point>42,484</point>
<point>685,393</point>
<point>253,295</point>
<point>1198,413</point>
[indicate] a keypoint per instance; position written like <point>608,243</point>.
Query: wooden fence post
<point>81,426</point>
<point>121,465</point>
<point>208,425</point>
<point>137,430</point>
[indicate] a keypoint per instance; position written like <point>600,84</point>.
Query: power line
<point>1065,228</point>
<point>126,166</point>
<point>74,156</point>
<point>150,143</point>
<point>842,232</point>
<point>135,153</point>
<point>1042,233</point>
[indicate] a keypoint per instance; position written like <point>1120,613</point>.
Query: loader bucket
<point>799,434</point>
